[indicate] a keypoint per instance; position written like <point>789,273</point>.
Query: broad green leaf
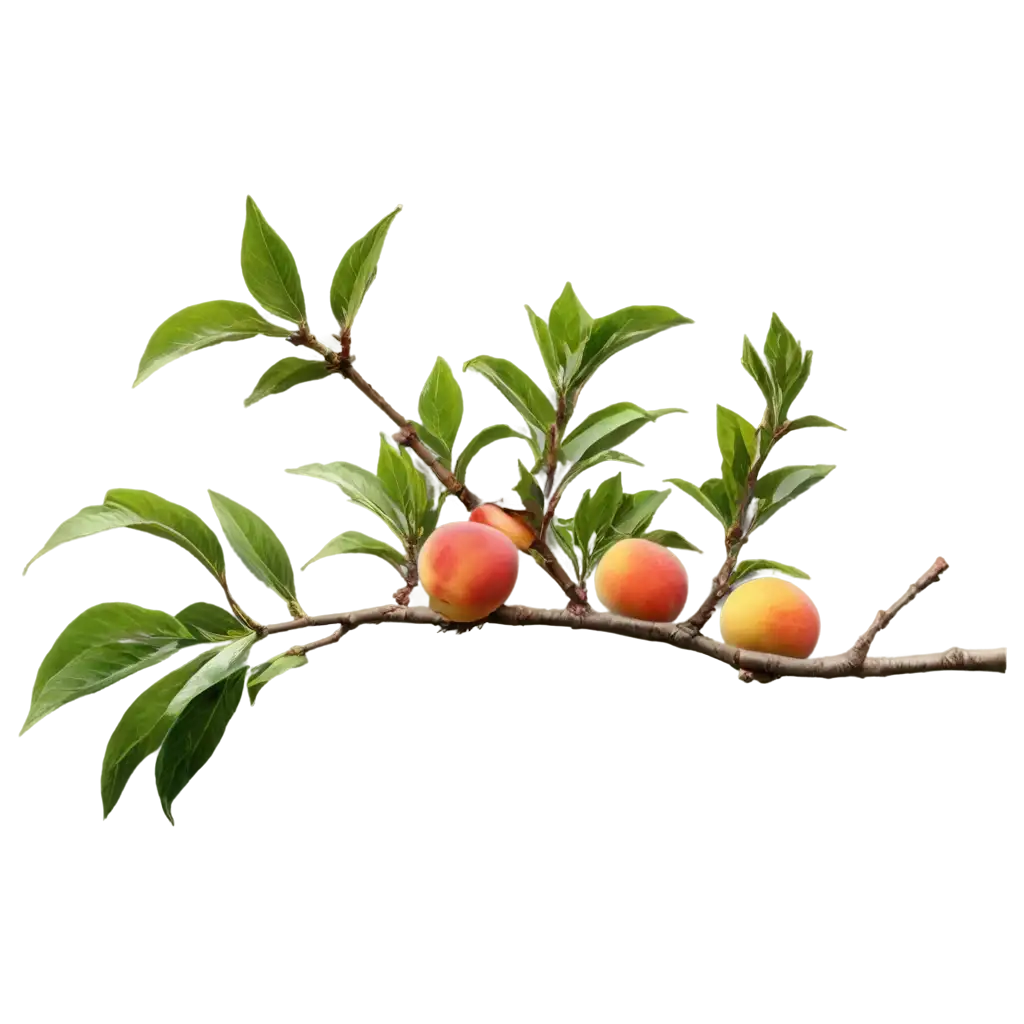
<point>784,356</point>
<point>640,513</point>
<point>440,405</point>
<point>268,268</point>
<point>227,660</point>
<point>99,623</point>
<point>569,323</point>
<point>597,515</point>
<point>617,331</point>
<point>357,271</point>
<point>532,496</point>
<point>205,619</point>
<point>777,484</point>
<point>754,365</point>
<point>712,493</point>
<point>99,667</point>
<point>582,524</point>
<point>194,736</point>
<point>748,568</point>
<point>563,536</point>
<point>168,522</point>
<point>286,374</point>
<point>355,543</point>
<point>812,421</point>
<point>141,730</point>
<point>671,539</point>
<point>403,483</point>
<point>262,674</point>
<point>258,547</point>
<point>518,388</point>
<point>486,436</point>
<point>359,486</point>
<point>200,326</point>
<point>606,428</point>
<point>434,443</point>
<point>81,521</point>
<point>547,349</point>
<point>796,385</point>
<point>737,443</point>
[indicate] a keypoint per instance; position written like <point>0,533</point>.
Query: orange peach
<point>468,570</point>
<point>515,529</point>
<point>772,616</point>
<point>643,580</point>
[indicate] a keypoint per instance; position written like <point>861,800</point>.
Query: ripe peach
<point>468,570</point>
<point>643,580</point>
<point>515,529</point>
<point>772,616</point>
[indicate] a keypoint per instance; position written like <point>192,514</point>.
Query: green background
<point>129,137</point>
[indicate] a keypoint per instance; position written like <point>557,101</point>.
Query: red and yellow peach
<point>772,616</point>
<point>643,580</point>
<point>515,529</point>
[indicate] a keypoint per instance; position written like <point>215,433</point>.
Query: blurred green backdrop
<point>130,136</point>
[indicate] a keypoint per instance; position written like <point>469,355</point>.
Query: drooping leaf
<point>269,268</point>
<point>104,644</point>
<point>486,436</point>
<point>518,388</point>
<point>353,542</point>
<point>606,428</point>
<point>670,539</point>
<point>359,486</point>
<point>748,568</point>
<point>212,672</point>
<point>357,271</point>
<point>80,521</point>
<point>595,460</point>
<point>547,349</point>
<point>563,536</point>
<point>713,494</point>
<point>617,331</point>
<point>141,730</point>
<point>258,547</point>
<point>194,735</point>
<point>532,496</point>
<point>200,326</point>
<point>440,404</point>
<point>403,484</point>
<point>262,674</point>
<point>168,522</point>
<point>754,365</point>
<point>286,374</point>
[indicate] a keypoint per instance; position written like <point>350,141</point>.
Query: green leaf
<point>754,365</point>
<point>205,619</point>
<point>737,443</point>
<point>269,268</point>
<point>670,539</point>
<point>777,484</point>
<point>357,271</point>
<point>796,386</point>
<point>359,486</point>
<point>712,493</point>
<point>563,537</point>
<point>518,388</point>
<point>617,331</point>
<point>257,546</point>
<point>286,374</point>
<point>642,510</point>
<point>748,568</point>
<point>486,436</point>
<point>262,674</point>
<point>783,353</point>
<point>547,349</point>
<point>441,403</point>
<point>194,736</point>
<point>606,428</point>
<point>533,497</point>
<point>97,668</point>
<point>812,421</point>
<point>168,522</point>
<point>403,484</point>
<point>569,323</point>
<point>353,542</point>
<point>597,515</point>
<point>141,730</point>
<point>434,443</point>
<point>595,460</point>
<point>227,660</point>
<point>200,326</point>
<point>80,521</point>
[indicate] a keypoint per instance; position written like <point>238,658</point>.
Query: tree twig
<point>677,635</point>
<point>736,536</point>
<point>883,618</point>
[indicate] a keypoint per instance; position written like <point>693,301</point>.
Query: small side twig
<point>859,651</point>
